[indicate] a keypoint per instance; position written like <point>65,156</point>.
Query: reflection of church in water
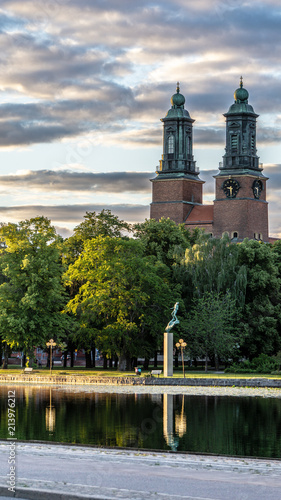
<point>240,207</point>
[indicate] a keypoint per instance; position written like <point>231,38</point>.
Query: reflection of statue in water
<point>174,321</point>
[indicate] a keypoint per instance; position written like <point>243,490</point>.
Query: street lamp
<point>51,344</point>
<point>181,345</point>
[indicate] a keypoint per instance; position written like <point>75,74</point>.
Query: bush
<point>262,364</point>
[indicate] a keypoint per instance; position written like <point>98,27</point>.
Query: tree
<point>212,327</point>
<point>125,296</point>
<point>103,224</point>
<point>165,239</point>
<point>212,281</point>
<point>212,265</point>
<point>261,317</point>
<point>32,295</point>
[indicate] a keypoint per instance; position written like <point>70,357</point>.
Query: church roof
<point>200,214</point>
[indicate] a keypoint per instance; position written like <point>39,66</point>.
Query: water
<point>225,425</point>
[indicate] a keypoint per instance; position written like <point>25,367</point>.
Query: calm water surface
<point>248,426</point>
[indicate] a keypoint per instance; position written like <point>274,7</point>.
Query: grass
<point>81,371</point>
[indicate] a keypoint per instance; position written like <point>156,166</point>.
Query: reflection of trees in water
<point>249,426</point>
<point>216,424</point>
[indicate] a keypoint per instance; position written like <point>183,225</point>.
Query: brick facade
<point>244,214</point>
<point>174,198</point>
<point>248,218</point>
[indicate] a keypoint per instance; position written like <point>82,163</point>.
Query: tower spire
<point>177,159</point>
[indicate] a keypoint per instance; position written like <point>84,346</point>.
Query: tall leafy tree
<point>213,265</point>
<point>32,295</point>
<point>165,239</point>
<point>261,314</point>
<point>95,224</point>
<point>124,294</point>
<point>213,282</point>
<point>212,327</point>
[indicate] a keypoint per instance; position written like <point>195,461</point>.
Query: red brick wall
<point>208,227</point>
<point>177,190</point>
<point>176,211</point>
<point>243,216</point>
<point>169,195</point>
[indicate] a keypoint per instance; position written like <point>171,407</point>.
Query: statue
<point>174,321</point>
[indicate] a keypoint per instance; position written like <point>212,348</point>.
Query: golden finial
<point>241,82</point>
<point>178,87</point>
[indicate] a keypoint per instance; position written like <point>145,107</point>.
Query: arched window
<point>235,234</point>
<point>171,144</point>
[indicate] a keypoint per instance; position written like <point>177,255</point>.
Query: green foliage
<point>261,364</point>
<point>211,265</point>
<point>123,297</point>
<point>211,327</point>
<point>165,239</point>
<point>102,224</point>
<point>31,297</point>
<point>261,314</point>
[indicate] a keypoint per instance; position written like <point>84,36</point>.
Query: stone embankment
<point>36,378</point>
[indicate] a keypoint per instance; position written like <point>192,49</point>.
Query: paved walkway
<point>52,472</point>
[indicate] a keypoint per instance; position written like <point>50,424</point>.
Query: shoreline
<point>153,390</point>
<point>82,380</point>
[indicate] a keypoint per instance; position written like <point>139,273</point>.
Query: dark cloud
<point>67,180</point>
<point>74,214</point>
<point>92,66</point>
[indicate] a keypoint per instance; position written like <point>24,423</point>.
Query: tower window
<point>234,143</point>
<point>188,143</point>
<point>171,144</point>
<point>253,145</point>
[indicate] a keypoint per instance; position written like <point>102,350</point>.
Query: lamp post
<point>181,345</point>
<point>51,344</point>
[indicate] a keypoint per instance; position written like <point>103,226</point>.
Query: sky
<point>84,84</point>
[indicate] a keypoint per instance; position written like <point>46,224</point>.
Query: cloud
<point>67,180</point>
<point>107,71</point>
<point>73,214</point>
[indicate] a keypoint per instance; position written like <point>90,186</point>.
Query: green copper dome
<point>178,100</point>
<point>241,101</point>
<point>177,110</point>
<point>241,94</point>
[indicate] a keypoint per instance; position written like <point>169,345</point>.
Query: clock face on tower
<point>231,188</point>
<point>257,188</point>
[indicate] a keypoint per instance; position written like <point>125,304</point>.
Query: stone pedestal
<point>168,354</point>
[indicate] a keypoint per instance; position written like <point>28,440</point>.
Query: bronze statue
<point>174,321</point>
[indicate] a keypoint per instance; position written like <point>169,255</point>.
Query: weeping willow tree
<point>212,266</point>
<point>214,288</point>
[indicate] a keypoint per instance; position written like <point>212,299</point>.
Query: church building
<point>240,207</point>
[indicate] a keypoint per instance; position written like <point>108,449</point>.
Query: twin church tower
<point>240,207</point>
